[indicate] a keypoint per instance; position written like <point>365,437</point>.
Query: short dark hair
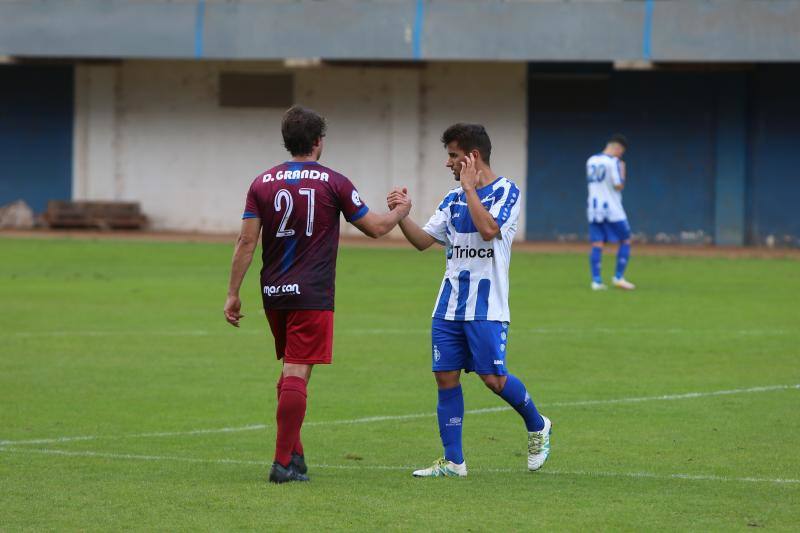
<point>619,139</point>
<point>469,137</point>
<point>301,128</point>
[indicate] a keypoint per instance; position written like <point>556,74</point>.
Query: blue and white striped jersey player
<point>476,223</point>
<point>605,174</point>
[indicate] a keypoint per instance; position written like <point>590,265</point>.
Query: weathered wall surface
<point>522,30</point>
<point>153,131</point>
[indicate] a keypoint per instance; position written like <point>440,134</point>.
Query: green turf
<point>112,339</point>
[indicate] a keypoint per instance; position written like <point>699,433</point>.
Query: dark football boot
<point>282,474</point>
<point>299,463</point>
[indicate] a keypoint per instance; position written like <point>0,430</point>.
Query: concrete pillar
<point>95,132</point>
<point>404,131</point>
<point>731,161</point>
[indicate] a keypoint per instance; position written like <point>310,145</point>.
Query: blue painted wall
<point>669,119</point>
<point>712,156</point>
<point>774,175</point>
<point>36,116</point>
<point>731,159</point>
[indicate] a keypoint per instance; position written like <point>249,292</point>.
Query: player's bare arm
<point>419,238</point>
<point>242,257</point>
<point>377,225</point>
<point>470,177</point>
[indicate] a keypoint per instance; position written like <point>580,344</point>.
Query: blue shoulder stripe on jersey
<point>496,195</point>
<point>449,199</point>
<point>482,302</point>
<point>460,217</point>
<point>444,300</point>
<point>248,214</point>
<point>619,172</point>
<point>511,200</point>
<point>360,213</point>
<point>463,294</point>
<point>486,190</point>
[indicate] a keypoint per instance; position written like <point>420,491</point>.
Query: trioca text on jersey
<point>468,252</point>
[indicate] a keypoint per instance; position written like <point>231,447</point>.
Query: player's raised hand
<point>469,175</point>
<point>233,306</point>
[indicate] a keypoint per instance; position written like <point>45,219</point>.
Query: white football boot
<point>598,286</point>
<point>443,468</point>
<point>539,446</point>
<point>622,283</point>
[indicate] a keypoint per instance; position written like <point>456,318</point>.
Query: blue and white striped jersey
<point>475,284</point>
<point>604,202</point>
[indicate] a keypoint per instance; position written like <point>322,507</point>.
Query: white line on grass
<point>583,330</point>
<point>110,333</point>
<point>638,475</point>
<point>396,331</point>
<point>252,427</point>
<point>370,419</point>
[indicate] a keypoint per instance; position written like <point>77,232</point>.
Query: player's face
<point>455,156</point>
<point>618,150</point>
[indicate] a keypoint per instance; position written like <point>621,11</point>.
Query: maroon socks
<point>298,446</point>
<point>291,412</point>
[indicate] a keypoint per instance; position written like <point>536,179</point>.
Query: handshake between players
<point>295,208</point>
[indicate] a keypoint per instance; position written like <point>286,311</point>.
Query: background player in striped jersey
<point>476,223</point>
<point>298,205</point>
<point>605,174</point>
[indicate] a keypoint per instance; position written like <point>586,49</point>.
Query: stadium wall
<point>155,132</point>
<point>773,185</point>
<point>710,158</point>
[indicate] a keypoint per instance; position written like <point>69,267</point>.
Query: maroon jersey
<point>299,205</point>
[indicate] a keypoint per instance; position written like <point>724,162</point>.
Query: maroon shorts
<point>303,336</point>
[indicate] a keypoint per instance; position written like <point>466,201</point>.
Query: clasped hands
<point>398,198</point>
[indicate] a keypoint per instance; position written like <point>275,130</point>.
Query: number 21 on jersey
<point>284,202</point>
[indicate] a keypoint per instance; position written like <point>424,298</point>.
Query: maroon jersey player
<point>295,206</point>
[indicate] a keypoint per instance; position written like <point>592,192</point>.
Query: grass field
<point>126,401</point>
